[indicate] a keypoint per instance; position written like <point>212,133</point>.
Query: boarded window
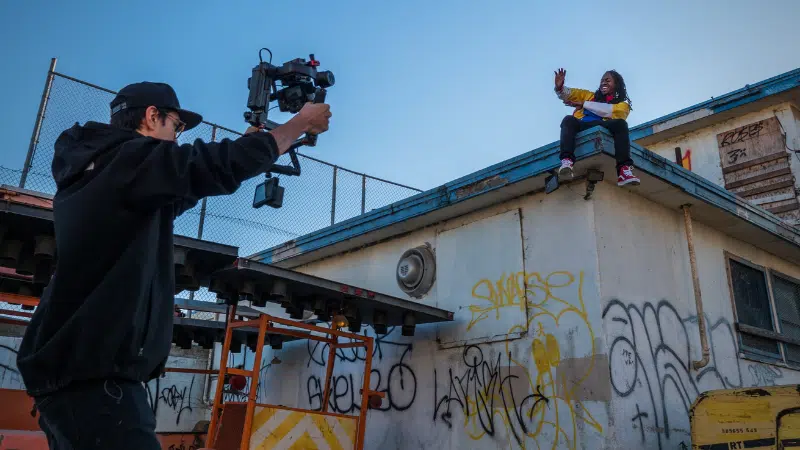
<point>751,296</point>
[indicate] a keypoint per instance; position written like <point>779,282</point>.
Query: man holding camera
<point>104,323</point>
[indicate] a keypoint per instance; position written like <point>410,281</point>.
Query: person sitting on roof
<point>607,107</point>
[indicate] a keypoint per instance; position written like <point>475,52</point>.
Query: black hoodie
<point>108,310</point>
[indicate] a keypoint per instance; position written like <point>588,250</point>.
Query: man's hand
<point>254,129</point>
<point>561,75</point>
<point>316,117</point>
<point>578,104</point>
<point>313,118</point>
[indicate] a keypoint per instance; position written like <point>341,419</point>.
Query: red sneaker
<point>626,176</point>
<point>565,171</point>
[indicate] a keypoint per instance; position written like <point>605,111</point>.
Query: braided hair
<point>620,93</point>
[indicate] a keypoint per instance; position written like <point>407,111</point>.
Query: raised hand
<point>316,117</point>
<point>561,75</point>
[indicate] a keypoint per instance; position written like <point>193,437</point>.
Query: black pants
<point>571,126</point>
<point>99,415</point>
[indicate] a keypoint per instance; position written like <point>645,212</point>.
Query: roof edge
<point>513,171</point>
<point>739,97</point>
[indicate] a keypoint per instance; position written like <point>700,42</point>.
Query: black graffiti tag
<point>480,385</point>
<point>650,351</point>
<point>735,154</point>
<point>742,134</point>
<point>398,383</point>
<point>179,400</point>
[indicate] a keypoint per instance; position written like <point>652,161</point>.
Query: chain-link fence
<point>9,177</point>
<point>324,194</point>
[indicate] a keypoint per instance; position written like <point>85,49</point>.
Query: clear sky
<point>427,91</point>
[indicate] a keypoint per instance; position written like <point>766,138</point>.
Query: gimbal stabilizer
<point>300,83</point>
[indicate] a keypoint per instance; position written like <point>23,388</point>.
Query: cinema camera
<point>300,83</point>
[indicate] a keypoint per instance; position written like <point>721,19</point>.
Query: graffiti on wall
<point>531,396</point>
<point>231,394</point>
<point>390,375</point>
<point>650,362</point>
<point>484,388</point>
<point>172,397</point>
<point>764,375</point>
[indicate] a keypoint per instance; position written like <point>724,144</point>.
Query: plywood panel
<point>750,142</point>
<point>756,166</point>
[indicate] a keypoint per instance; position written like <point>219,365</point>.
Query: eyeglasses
<point>179,124</point>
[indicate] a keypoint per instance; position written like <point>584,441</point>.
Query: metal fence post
<point>37,127</point>
<point>363,193</point>
<point>202,221</point>
<point>203,203</point>
<point>333,197</point>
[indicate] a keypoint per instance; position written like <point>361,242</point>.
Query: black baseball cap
<point>160,95</point>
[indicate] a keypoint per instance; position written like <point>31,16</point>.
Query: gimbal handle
<point>319,97</point>
<point>310,140</point>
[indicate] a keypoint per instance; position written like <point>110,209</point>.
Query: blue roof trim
<point>530,164</point>
<point>739,97</point>
<point>537,162</point>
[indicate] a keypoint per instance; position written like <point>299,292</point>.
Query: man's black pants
<point>571,126</point>
<point>100,414</point>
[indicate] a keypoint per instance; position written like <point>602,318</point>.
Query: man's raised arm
<point>163,172</point>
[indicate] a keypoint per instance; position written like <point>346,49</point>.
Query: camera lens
<point>325,79</point>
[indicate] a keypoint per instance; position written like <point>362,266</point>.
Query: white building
<point>576,321</point>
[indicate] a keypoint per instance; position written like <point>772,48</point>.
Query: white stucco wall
<point>705,150</point>
<point>610,330</point>
<point>650,319</point>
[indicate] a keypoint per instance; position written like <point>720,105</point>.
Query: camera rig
<point>301,83</point>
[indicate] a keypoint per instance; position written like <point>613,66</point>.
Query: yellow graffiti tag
<point>517,290</point>
<point>548,300</point>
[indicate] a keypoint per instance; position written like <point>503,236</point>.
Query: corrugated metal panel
<point>755,166</point>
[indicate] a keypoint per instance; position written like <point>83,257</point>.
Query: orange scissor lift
<point>232,423</point>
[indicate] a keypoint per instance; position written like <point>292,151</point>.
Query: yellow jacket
<point>604,111</point>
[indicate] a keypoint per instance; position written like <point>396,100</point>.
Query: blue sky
<point>426,91</point>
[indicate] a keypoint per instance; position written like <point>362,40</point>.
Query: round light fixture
<point>416,271</point>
